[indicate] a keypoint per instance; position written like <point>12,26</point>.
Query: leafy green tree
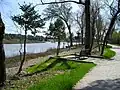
<point>29,19</point>
<point>115,38</point>
<point>57,30</point>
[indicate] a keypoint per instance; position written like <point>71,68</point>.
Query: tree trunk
<point>109,31</point>
<point>87,20</point>
<point>82,38</point>
<point>24,54</point>
<point>99,39</point>
<point>71,41</point>
<point>82,27</point>
<point>93,34</point>
<point>58,47</point>
<point>98,43</point>
<point>2,54</point>
<point>70,33</point>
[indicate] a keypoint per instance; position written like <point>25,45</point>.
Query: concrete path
<point>105,76</point>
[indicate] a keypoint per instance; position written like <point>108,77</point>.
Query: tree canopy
<point>29,18</point>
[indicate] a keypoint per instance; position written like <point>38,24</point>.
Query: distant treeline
<point>19,37</point>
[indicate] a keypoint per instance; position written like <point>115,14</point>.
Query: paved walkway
<point>105,76</point>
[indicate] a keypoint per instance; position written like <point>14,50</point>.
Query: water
<point>13,49</point>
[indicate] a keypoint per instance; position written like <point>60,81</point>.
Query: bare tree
<point>79,18</point>
<point>62,11</point>
<point>87,19</point>
<point>95,11</point>
<point>114,10</point>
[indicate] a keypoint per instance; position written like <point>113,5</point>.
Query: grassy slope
<point>73,71</point>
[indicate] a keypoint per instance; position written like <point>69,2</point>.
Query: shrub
<point>108,53</point>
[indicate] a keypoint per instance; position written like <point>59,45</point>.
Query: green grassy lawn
<point>108,53</point>
<point>69,73</point>
<point>40,67</point>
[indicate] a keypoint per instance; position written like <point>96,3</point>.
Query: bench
<point>82,53</point>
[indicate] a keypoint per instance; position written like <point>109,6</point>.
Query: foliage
<point>115,38</point>
<point>14,38</point>
<point>108,53</point>
<point>64,81</point>
<point>29,18</point>
<point>57,30</point>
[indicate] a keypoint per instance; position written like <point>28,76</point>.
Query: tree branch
<point>43,3</point>
<point>112,9</point>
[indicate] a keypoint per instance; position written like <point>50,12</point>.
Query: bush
<point>108,53</point>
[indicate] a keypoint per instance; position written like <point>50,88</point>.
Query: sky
<point>9,8</point>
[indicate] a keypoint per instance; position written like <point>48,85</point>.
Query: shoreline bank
<point>15,60</point>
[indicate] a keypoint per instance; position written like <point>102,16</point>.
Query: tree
<point>100,30</point>
<point>78,37</point>
<point>28,20</point>
<point>2,54</point>
<point>62,11</point>
<point>57,30</point>
<point>79,18</point>
<point>94,13</point>
<point>114,10</point>
<point>115,38</point>
<point>87,19</point>
<point>87,28</point>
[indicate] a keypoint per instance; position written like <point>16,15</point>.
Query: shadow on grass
<point>104,85</point>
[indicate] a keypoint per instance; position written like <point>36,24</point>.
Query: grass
<point>60,75</point>
<point>108,53</point>
<point>40,67</point>
<point>71,72</point>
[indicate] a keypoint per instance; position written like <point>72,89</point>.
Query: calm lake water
<point>13,49</point>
